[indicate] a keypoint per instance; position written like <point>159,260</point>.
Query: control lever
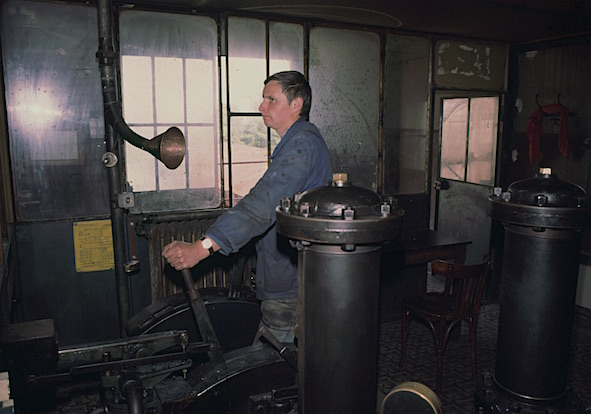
<point>287,353</point>
<point>203,322</point>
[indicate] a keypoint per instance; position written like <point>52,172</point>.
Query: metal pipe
<point>169,147</point>
<point>106,56</point>
<point>133,392</point>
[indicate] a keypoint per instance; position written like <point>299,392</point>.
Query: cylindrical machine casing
<point>537,302</point>
<point>338,231</point>
<point>543,219</point>
<point>338,329</point>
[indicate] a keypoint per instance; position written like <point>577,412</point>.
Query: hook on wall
<point>558,99</point>
<point>540,106</point>
<point>552,113</point>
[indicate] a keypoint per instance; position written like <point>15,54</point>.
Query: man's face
<point>277,112</point>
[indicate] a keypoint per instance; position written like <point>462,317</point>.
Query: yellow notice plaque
<point>93,246</point>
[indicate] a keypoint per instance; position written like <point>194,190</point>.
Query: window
<point>250,145</point>
<point>169,77</point>
<point>207,79</point>
<point>54,110</point>
<point>469,138</point>
<point>170,72</point>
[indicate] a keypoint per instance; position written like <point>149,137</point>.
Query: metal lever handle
<point>203,322</point>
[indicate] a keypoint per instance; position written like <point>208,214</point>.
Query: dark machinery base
<point>248,371</point>
<point>489,397</point>
<point>235,320</point>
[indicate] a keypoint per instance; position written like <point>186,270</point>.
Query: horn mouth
<point>172,147</point>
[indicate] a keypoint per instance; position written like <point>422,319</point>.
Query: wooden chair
<point>459,301</point>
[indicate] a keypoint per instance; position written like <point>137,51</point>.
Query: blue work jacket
<point>300,162</point>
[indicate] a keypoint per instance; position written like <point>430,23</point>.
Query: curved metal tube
<point>169,147</point>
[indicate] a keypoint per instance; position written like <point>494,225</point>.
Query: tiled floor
<point>457,395</point>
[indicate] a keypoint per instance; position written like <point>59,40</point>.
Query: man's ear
<point>297,104</point>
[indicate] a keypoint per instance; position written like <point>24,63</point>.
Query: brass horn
<point>169,147</point>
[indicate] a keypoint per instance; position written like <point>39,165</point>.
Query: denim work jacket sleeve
<point>299,162</point>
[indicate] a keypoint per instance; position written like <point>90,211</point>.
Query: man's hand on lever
<point>182,255</point>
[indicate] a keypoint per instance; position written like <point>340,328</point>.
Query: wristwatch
<point>207,244</point>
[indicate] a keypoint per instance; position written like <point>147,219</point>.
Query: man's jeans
<point>280,316</point>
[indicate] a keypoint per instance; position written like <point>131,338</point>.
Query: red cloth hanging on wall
<point>535,130</point>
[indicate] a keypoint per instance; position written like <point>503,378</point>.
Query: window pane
<point>345,81</point>
<point>201,90</point>
<point>203,171</point>
<point>482,144</point>
<point>453,138</point>
<point>142,174</point>
<point>168,87</point>
<point>247,64</point>
<point>406,92</point>
<point>249,153</point>
<point>138,99</point>
<point>286,48</point>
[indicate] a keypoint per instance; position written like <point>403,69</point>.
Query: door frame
<point>438,95</point>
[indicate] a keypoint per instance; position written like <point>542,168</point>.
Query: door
<point>464,166</point>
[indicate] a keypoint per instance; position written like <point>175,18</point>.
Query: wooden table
<point>428,246</point>
<point>404,266</point>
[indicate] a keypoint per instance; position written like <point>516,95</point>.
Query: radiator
<point>232,272</point>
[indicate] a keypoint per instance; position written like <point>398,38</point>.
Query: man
<point>300,162</point>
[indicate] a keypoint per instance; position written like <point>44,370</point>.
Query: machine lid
<point>339,213</point>
<point>541,202</point>
<point>545,189</point>
<point>338,197</point>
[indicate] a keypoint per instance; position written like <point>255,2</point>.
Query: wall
<point>83,305</point>
<point>555,75</point>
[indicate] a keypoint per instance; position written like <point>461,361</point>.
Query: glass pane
<point>345,81</point>
<point>406,93</point>
<point>247,63</point>
<point>286,47</point>
<point>54,110</point>
<point>138,99</point>
<point>168,88</point>
<point>142,165</point>
<point>249,153</point>
<point>454,132</point>
<point>202,90</point>
<point>249,139</point>
<point>203,171</point>
<point>482,143</point>
<point>245,176</point>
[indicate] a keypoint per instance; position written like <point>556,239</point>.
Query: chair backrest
<point>464,286</point>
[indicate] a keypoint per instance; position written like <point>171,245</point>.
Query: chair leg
<point>440,343</point>
<point>439,370</point>
<point>405,323</point>
<point>472,336</point>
